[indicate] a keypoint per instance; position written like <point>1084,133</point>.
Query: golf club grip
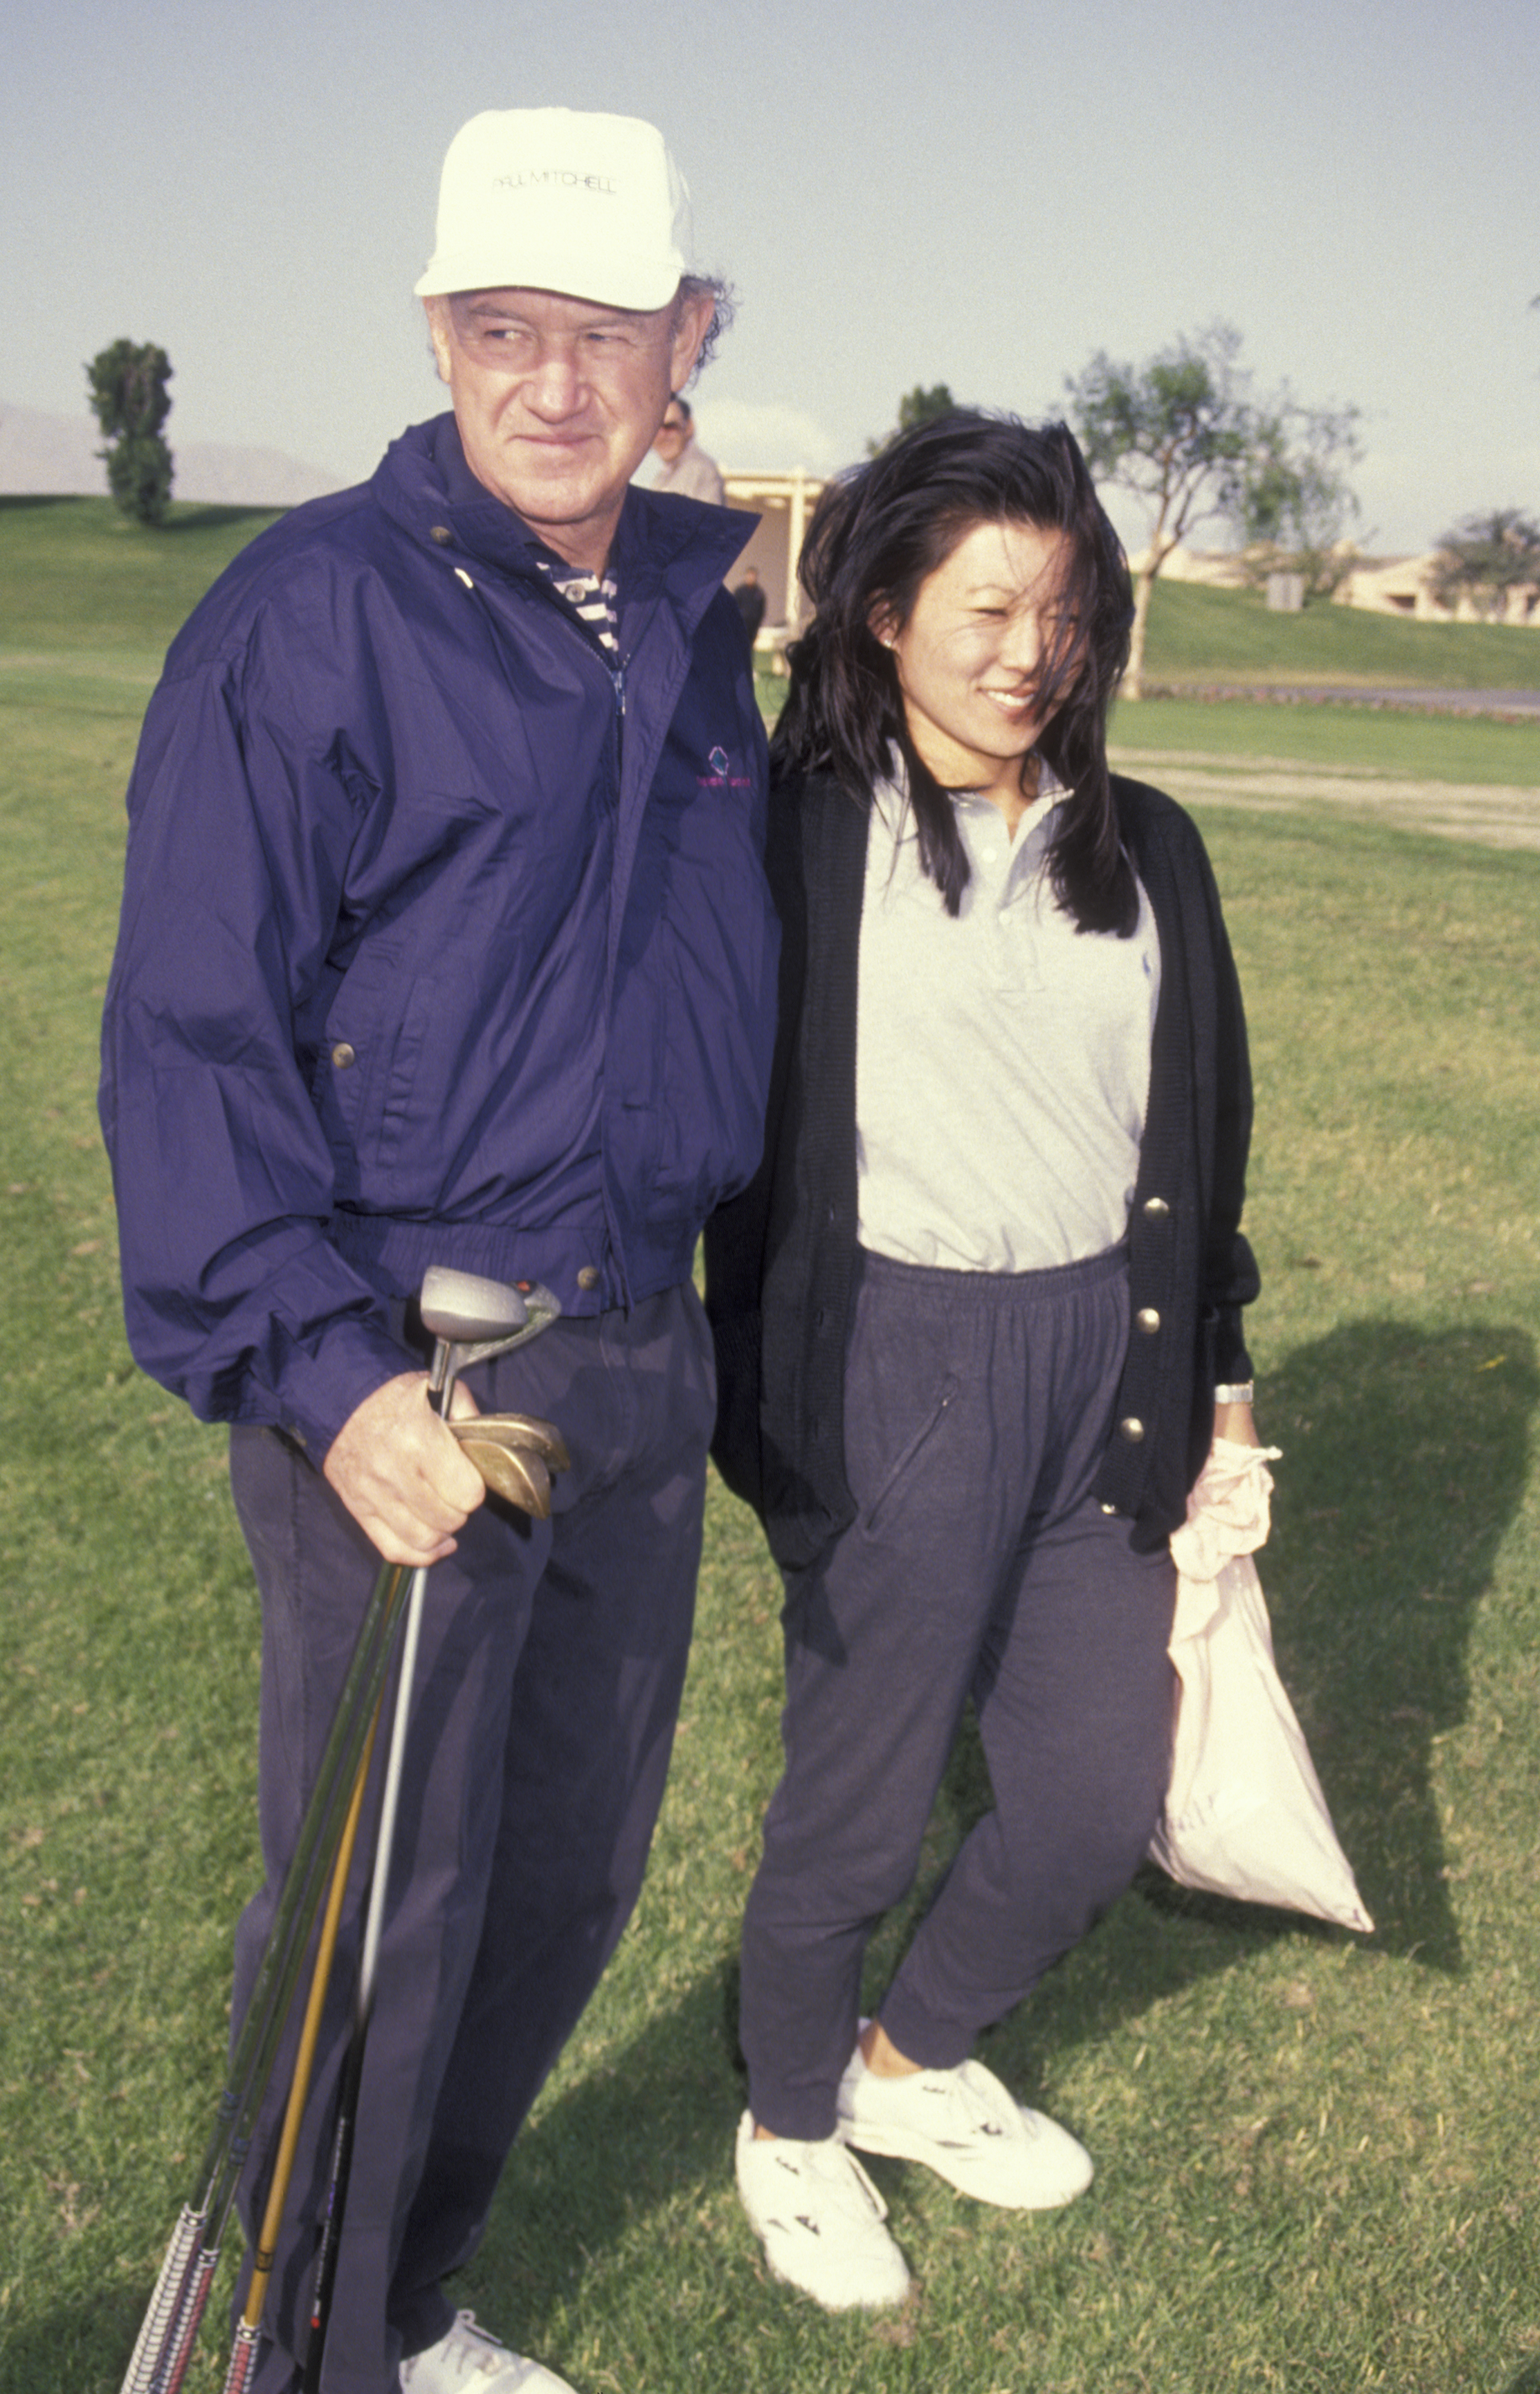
<point>184,2333</point>
<point>148,2359</point>
<point>242,2359</point>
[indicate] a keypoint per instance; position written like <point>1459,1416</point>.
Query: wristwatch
<point>1235,1392</point>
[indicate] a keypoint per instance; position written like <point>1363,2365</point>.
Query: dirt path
<point>1495,815</point>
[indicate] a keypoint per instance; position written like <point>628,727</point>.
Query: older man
<point>446,941</point>
<point>678,463</point>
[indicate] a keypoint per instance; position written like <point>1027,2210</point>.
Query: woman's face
<point>970,653</point>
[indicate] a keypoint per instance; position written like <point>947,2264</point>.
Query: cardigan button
<point>1109,1508</point>
<point>588,1276</point>
<point>1156,1207</point>
<point>1131,1428</point>
<point>1147,1320</point>
<point>343,1055</point>
<point>441,534</point>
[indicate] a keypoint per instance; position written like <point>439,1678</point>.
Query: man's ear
<point>693,312</point>
<point>437,333</point>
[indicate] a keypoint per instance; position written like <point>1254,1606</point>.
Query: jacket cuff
<point>1232,1358</point>
<point>322,1387</point>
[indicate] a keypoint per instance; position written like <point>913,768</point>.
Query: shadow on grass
<point>1405,1456</point>
<point>209,515</point>
<point>606,2155</point>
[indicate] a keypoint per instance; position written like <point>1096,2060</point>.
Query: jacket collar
<point>680,546</point>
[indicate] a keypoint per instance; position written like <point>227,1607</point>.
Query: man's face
<point>558,400</point>
<point>673,434</point>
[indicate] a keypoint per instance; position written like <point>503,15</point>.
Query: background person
<point>971,1315</point>
<point>434,953</point>
<point>682,465</point>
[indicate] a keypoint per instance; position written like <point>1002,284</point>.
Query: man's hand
<point>400,1474</point>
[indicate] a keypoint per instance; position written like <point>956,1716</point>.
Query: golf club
<point>165,2343</point>
<point>471,1320</point>
<point>462,1313</point>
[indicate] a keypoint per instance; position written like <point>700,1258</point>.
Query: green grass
<point>75,573</point>
<point>1316,2155</point>
<point>1198,634</point>
<point>1473,749</point>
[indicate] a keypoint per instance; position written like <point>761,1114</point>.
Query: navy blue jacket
<point>444,939</point>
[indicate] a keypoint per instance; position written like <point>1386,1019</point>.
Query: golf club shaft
<point>352,2076</point>
<point>166,2341</point>
<point>242,2359</point>
<point>441,1386</point>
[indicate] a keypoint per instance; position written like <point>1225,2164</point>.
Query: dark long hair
<point>876,535</point>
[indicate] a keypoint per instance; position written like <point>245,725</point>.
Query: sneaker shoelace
<point>966,2107</point>
<point>470,2349</point>
<point>833,2172</point>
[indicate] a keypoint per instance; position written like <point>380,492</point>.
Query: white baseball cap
<point>550,199</point>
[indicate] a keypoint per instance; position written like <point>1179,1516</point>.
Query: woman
<point>978,1318</point>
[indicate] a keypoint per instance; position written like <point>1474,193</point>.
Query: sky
<point>983,194</point>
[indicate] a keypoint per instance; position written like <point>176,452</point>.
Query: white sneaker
<point>820,2219</point>
<point>469,2361</point>
<point>963,2124</point>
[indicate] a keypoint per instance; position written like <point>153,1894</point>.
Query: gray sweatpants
<point>549,1681</point>
<point>977,1408</point>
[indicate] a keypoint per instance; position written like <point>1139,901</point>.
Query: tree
<point>916,406</point>
<point>1294,500</point>
<point>1486,557</point>
<point>130,402</point>
<point>1183,434</point>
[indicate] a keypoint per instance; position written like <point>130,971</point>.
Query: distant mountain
<point>55,456</point>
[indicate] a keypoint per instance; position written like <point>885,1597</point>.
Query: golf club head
<point>515,1472</point>
<point>473,1319</point>
<point>464,1309</point>
<point>523,1432</point>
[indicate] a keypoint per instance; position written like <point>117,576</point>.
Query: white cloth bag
<point>1244,1815</point>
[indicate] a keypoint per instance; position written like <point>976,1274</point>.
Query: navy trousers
<point>547,1686</point>
<point>977,1408</point>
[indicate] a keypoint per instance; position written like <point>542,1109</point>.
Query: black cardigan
<point>779,1257</point>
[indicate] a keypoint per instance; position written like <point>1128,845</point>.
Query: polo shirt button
<point>588,1276</point>
<point>1155,1208</point>
<point>1131,1428</point>
<point>1147,1318</point>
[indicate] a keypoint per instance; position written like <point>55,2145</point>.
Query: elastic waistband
<point>995,1288</point>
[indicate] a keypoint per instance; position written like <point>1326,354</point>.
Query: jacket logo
<point>719,777</point>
